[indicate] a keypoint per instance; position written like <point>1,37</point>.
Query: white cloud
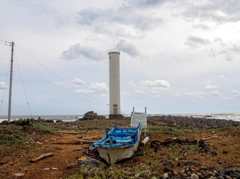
<point>124,93</point>
<point>155,96</point>
<point>47,96</point>
<point>86,91</point>
<point>195,42</point>
<point>211,87</point>
<point>2,85</point>
<point>132,84</point>
<point>78,81</point>
<point>101,87</point>
<point>120,17</point>
<point>235,92</point>
<point>104,95</point>
<point>44,97</point>
<point>196,94</point>
<point>217,93</point>
<point>221,76</point>
<point>162,84</point>
<point>82,52</point>
<point>128,48</point>
<point>139,91</point>
<point>155,91</point>
<point>209,11</point>
<point>94,88</point>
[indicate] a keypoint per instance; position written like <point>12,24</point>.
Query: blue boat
<point>118,144</point>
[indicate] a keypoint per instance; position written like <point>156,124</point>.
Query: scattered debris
<point>77,149</point>
<point>18,176</point>
<point>87,160</point>
<point>41,157</point>
<point>39,143</point>
<point>155,144</point>
<point>144,141</point>
<point>76,142</point>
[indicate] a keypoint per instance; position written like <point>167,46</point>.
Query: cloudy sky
<point>176,56</point>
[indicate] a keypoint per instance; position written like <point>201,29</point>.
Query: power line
<point>3,58</point>
<point>24,88</point>
<point>5,86</point>
<point>54,84</point>
<point>56,75</point>
<point>4,42</point>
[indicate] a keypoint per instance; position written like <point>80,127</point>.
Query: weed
<point>169,130</point>
<point>11,139</point>
<point>45,127</point>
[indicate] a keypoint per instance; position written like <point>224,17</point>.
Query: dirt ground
<point>15,158</point>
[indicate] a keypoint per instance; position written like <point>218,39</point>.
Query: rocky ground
<point>179,147</point>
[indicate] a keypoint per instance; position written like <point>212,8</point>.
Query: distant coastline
<point>69,118</point>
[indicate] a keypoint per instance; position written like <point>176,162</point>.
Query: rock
<point>89,115</point>
<point>48,121</point>
<point>194,176</point>
<point>224,152</point>
<point>39,119</point>
<point>201,144</point>
<point>165,175</point>
<point>213,153</point>
<point>4,122</point>
<point>166,169</point>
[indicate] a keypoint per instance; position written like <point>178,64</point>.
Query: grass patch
<point>11,139</point>
<point>169,130</point>
<point>45,127</point>
<point>114,172</point>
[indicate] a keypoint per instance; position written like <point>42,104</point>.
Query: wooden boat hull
<point>118,144</point>
<point>113,155</point>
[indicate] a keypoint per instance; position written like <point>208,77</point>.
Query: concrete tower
<point>114,85</point>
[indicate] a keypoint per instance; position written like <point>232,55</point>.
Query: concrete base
<point>116,116</point>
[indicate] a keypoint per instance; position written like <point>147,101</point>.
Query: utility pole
<point>10,84</point>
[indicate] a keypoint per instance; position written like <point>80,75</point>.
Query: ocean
<point>69,118</point>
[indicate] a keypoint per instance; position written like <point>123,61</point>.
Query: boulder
<point>90,115</point>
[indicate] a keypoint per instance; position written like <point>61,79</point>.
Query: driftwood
<point>210,137</point>
<point>70,133</point>
<point>156,144</point>
<point>77,149</point>
<point>76,142</point>
<point>41,157</point>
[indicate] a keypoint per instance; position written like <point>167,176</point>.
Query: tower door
<point>115,111</point>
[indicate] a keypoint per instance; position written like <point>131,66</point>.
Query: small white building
<point>114,84</point>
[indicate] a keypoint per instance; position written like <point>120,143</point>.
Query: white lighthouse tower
<point>114,85</point>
